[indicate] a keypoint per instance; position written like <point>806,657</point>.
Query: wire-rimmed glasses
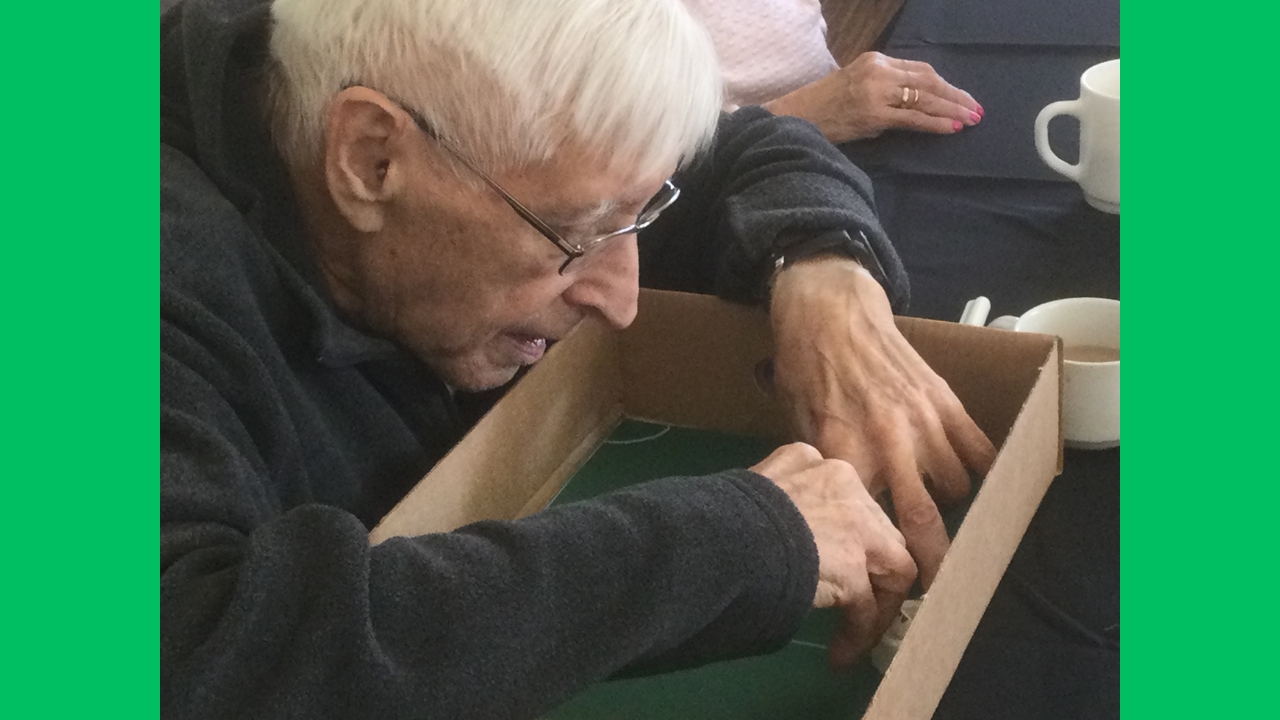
<point>663,200</point>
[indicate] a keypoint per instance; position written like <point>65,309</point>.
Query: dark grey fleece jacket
<point>286,434</point>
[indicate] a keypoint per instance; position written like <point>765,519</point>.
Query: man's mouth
<point>529,348</point>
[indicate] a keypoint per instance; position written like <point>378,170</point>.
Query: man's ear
<point>365,155</point>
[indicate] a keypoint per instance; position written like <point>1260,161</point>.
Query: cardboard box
<point>690,360</point>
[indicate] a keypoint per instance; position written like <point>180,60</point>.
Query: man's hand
<point>863,564</point>
<point>859,392</point>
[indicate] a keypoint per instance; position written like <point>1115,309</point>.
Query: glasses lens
<point>595,248</point>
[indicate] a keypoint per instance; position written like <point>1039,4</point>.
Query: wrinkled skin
<point>864,98</point>
<point>863,564</point>
<point>858,392</point>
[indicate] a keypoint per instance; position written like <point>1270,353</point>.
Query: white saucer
<point>1103,205</point>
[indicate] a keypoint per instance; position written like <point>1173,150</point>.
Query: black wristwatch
<point>802,246</point>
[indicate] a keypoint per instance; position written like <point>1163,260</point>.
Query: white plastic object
<point>882,654</point>
<point>976,311</point>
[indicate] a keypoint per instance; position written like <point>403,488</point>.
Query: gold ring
<point>910,96</point>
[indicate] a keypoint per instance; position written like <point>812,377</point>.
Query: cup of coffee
<point>1098,110</point>
<point>1090,332</point>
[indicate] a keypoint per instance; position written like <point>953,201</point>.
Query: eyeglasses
<point>663,200</point>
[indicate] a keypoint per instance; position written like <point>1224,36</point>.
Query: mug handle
<point>1050,111</point>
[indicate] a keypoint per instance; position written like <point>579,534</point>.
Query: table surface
<point>978,213</point>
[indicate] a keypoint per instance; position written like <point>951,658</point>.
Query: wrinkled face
<point>422,251</point>
<point>475,291</point>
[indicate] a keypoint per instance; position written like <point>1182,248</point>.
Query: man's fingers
<point>892,573</point>
<point>868,614</point>
<point>875,507</point>
<point>788,460</point>
<point>859,616</point>
<point>975,449</point>
<point>839,442</point>
<point>971,444</point>
<point>918,516</point>
<point>887,606</point>
<point>950,478</point>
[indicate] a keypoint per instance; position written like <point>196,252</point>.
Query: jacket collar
<point>212,54</point>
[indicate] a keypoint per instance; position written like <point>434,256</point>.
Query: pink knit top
<point>767,48</point>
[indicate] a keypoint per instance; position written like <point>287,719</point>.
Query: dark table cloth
<point>978,213</point>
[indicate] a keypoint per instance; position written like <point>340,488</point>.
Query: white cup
<point>1089,328</point>
<point>1098,109</point>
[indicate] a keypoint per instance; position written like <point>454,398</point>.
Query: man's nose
<point>609,283</point>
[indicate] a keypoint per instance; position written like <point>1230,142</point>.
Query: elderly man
<point>371,209</point>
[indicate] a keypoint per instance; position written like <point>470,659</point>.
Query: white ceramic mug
<point>1090,332</point>
<point>1098,109</point>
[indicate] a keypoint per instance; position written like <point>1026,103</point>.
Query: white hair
<point>508,81</point>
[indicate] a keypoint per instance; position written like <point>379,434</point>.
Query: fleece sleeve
<point>767,186</point>
<point>273,605</point>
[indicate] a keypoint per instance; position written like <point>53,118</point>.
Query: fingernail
<point>975,117</point>
<point>981,112</point>
<point>955,125</point>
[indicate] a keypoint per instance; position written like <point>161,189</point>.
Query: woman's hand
<point>875,93</point>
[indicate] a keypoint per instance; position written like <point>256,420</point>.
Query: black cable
<point>1066,621</point>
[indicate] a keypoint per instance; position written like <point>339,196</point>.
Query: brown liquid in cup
<point>1090,353</point>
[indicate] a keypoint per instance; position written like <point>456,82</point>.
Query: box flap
<point>979,554</point>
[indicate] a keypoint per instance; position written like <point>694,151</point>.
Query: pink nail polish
<point>975,117</point>
<point>981,112</point>
<point>955,125</point>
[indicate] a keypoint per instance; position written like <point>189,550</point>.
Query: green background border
<point>78,405</point>
<point>78,420</point>
<point>1198,271</point>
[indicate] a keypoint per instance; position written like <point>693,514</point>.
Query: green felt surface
<point>793,682</point>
